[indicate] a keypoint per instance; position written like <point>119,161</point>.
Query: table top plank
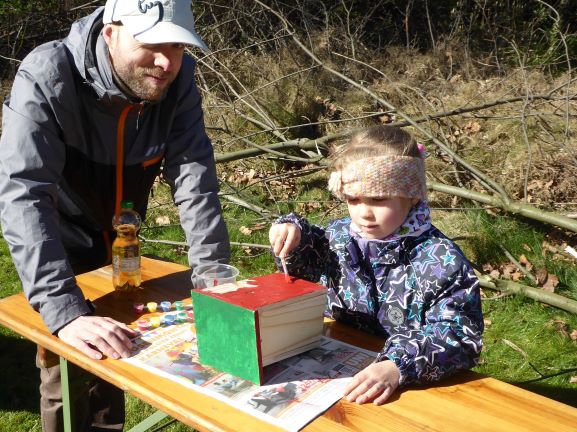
<point>470,401</point>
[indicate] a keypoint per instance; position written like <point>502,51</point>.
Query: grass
<point>524,340</point>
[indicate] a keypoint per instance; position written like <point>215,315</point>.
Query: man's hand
<point>94,336</point>
<point>284,238</point>
<point>376,383</point>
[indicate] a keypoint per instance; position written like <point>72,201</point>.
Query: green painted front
<point>226,337</point>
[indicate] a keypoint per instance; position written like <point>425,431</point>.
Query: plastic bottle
<point>126,249</point>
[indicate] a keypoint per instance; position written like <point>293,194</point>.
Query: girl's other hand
<point>284,238</point>
<point>376,383</point>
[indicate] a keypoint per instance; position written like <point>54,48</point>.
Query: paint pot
<point>143,324</point>
<point>138,308</point>
<point>165,306</point>
<point>155,321</point>
<point>151,306</point>
<point>179,305</point>
<point>181,317</point>
<point>168,319</point>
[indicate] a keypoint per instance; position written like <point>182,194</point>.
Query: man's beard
<point>137,82</point>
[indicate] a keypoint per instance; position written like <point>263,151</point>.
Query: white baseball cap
<point>155,21</point>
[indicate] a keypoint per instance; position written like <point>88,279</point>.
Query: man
<point>91,120</point>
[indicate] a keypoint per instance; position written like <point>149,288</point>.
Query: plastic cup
<point>151,306</point>
<point>179,305</point>
<point>165,306</point>
<point>214,274</point>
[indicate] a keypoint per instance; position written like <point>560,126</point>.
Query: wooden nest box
<point>245,326</point>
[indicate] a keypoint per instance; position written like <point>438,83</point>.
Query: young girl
<point>388,270</point>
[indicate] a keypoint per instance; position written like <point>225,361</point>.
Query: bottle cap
<point>127,216</point>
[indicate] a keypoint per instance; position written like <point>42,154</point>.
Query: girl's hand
<point>376,383</point>
<point>284,238</point>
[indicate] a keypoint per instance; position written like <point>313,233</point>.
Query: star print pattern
<point>420,280</point>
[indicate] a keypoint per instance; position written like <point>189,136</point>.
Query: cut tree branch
<point>511,287</point>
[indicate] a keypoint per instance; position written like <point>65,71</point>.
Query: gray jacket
<point>57,167</point>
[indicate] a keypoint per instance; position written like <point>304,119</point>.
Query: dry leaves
<point>472,127</point>
<point>254,227</point>
<point>547,281</point>
<point>162,220</point>
<point>244,230</point>
<point>243,177</point>
<point>573,380</point>
<point>560,327</point>
<point>308,207</point>
<point>541,276</point>
<point>556,253</point>
<point>510,271</point>
<point>551,282</point>
<point>524,261</point>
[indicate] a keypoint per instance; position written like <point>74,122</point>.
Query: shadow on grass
<point>19,375</point>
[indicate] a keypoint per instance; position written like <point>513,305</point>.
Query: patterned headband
<point>382,176</point>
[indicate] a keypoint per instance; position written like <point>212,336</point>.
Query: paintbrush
<point>284,269</point>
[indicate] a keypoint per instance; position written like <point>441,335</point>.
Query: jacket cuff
<point>63,310</point>
<point>290,218</point>
<point>404,363</point>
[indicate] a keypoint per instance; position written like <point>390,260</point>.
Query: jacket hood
<point>87,47</point>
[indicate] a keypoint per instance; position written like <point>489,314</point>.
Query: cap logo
<point>144,7</point>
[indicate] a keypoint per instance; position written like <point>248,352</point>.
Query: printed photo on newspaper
<point>296,390</point>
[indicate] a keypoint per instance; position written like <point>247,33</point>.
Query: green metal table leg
<point>148,422</point>
<point>68,414</point>
<point>66,400</point>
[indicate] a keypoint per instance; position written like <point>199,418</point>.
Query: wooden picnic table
<point>468,402</point>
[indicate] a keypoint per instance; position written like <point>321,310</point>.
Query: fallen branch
<point>301,143</point>
<point>177,243</point>
<point>265,213</point>
<point>539,295</point>
<point>511,207</point>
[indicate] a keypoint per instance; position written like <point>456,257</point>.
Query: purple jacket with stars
<point>419,292</point>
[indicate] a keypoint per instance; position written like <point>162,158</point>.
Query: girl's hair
<point>372,142</point>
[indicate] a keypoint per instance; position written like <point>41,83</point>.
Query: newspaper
<point>296,390</point>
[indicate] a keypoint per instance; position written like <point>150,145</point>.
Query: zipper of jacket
<point>120,157</point>
<point>119,169</point>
